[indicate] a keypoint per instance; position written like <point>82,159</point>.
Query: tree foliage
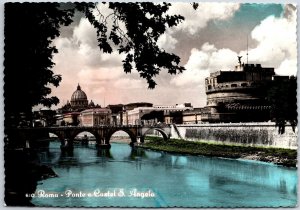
<point>30,29</point>
<point>144,23</point>
<point>282,97</point>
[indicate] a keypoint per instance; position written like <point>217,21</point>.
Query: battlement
<point>243,73</point>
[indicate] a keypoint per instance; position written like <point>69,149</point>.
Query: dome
<point>78,95</point>
<point>79,98</point>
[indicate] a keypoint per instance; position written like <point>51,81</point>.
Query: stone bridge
<point>102,134</point>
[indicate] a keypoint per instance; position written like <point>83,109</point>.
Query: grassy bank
<point>279,156</point>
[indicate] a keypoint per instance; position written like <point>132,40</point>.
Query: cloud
<point>277,46</point>
<point>84,36</point>
<point>63,42</point>
<point>80,61</point>
<point>195,21</point>
<point>85,33</point>
<point>287,67</point>
<point>204,61</point>
<point>127,83</point>
<point>198,19</point>
<point>167,42</point>
<point>94,57</point>
<point>101,75</point>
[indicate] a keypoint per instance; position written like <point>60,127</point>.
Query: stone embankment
<point>241,134</point>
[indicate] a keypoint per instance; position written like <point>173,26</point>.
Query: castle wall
<point>246,134</point>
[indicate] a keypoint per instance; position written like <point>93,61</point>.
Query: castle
<point>239,95</point>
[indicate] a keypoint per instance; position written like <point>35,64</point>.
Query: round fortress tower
<point>238,95</point>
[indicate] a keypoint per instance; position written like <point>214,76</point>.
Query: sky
<point>209,40</point>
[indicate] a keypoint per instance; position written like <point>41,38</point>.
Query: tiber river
<point>124,177</point>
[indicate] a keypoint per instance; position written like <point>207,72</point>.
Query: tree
<point>31,27</point>
<point>144,23</point>
<point>282,97</point>
<point>29,30</point>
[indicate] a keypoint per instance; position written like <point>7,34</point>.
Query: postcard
<point>150,104</point>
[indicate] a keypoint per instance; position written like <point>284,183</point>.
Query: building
<point>95,117</point>
<point>44,117</point>
<point>116,114</point>
<point>70,119</point>
<point>78,103</point>
<point>193,116</point>
<point>238,95</point>
<point>155,114</point>
<point>69,113</point>
<point>174,114</point>
<point>128,107</point>
<point>131,106</point>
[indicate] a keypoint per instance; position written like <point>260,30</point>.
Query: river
<point>126,177</point>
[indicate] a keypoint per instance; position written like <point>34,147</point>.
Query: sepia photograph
<point>150,104</point>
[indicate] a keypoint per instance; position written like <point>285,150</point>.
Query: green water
<point>124,177</point>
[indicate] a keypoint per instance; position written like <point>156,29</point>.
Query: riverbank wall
<point>246,134</point>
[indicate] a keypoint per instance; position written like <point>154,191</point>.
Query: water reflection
<point>104,153</point>
<point>177,180</point>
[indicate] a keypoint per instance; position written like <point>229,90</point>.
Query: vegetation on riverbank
<point>285,157</point>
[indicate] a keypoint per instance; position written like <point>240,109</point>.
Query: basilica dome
<point>79,98</point>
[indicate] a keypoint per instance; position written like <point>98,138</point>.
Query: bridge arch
<point>160,130</point>
<point>59,134</point>
<point>52,134</point>
<point>127,131</point>
<point>94,133</point>
<point>87,133</point>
